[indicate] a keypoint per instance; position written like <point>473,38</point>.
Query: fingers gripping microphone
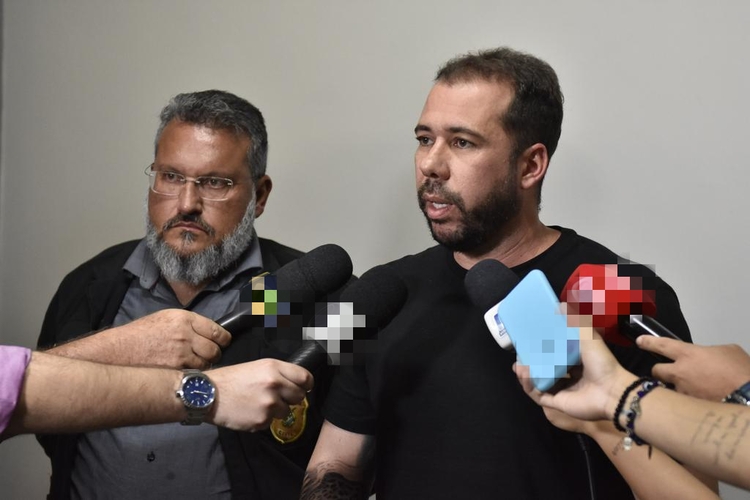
<point>620,306</point>
<point>318,272</point>
<point>350,326</point>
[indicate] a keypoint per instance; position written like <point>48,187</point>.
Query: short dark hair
<point>536,112</point>
<point>217,109</point>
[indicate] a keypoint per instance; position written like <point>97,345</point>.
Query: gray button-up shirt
<point>168,460</point>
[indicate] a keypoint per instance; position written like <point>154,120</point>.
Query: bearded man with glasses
<point>208,183</point>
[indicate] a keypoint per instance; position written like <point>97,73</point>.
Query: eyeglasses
<point>168,183</point>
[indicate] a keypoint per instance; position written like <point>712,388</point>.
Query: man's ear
<point>263,188</point>
<point>532,166</point>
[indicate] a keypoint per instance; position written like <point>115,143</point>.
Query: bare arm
<point>712,437</point>
<point>171,338</point>
<point>66,395</point>
<point>340,467</point>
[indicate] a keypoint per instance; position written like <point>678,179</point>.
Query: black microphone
<point>488,282</point>
<point>318,272</point>
<point>310,356</point>
<point>375,299</point>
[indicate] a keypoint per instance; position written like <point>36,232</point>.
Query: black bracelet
<point>621,403</point>
<point>635,411</point>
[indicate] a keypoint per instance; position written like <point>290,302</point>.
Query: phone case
<point>532,317</point>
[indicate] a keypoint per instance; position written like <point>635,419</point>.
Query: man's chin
<point>443,234</point>
<point>457,239</point>
<point>186,246</point>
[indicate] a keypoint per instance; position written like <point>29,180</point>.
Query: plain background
<point>652,159</point>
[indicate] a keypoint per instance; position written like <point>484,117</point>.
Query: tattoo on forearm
<point>327,485</point>
<point>724,433</point>
<point>339,481</point>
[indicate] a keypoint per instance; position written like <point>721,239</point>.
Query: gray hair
<point>217,109</point>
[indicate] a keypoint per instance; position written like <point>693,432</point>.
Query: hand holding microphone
<point>707,372</point>
<point>593,390</point>
<point>526,314</point>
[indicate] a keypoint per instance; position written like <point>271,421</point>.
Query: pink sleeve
<point>13,362</point>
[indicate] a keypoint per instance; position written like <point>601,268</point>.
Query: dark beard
<point>482,224</point>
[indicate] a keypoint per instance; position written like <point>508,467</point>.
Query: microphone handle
<point>310,356</point>
<point>238,321</point>
<point>636,325</point>
<point>648,325</point>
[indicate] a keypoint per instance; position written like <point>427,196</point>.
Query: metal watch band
<point>741,396</point>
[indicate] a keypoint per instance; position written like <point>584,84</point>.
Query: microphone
<point>619,305</point>
<point>293,287</point>
<point>487,284</point>
<point>310,356</point>
<point>367,305</point>
<point>528,318</point>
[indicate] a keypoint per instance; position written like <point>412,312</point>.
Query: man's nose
<point>433,163</point>
<point>190,200</point>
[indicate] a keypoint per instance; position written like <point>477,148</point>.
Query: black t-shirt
<point>449,415</point>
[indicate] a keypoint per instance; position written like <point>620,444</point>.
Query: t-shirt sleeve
<point>348,405</point>
<point>13,362</point>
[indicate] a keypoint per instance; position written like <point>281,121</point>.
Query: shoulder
<point>276,255</point>
<point>571,250</point>
<point>109,260</point>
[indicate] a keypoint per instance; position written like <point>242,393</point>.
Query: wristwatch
<point>741,396</point>
<point>197,393</point>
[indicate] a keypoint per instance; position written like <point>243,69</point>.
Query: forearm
<point>101,347</point>
<point>342,466</point>
<point>324,482</point>
<point>656,477</point>
<point>712,437</point>
<point>64,395</point>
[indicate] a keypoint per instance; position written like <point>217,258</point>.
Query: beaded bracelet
<point>621,403</point>
<point>635,411</point>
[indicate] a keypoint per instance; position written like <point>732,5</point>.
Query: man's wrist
<point>616,392</point>
<point>198,394</point>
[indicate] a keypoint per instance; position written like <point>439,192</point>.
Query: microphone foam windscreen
<point>606,294</point>
<point>489,282</point>
<point>348,329</point>
<point>287,298</point>
<point>322,270</point>
<point>379,294</point>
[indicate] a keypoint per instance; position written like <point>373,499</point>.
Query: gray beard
<point>206,264</point>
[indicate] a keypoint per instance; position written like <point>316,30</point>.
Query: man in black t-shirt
<point>439,397</point>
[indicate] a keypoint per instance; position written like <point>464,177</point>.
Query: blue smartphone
<point>530,317</point>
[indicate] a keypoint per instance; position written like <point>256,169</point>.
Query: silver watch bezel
<point>195,414</point>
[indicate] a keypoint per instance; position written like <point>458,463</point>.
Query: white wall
<point>651,160</point>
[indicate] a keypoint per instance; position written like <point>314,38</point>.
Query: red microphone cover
<point>598,291</point>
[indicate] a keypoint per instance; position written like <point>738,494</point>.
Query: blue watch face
<point>198,392</point>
